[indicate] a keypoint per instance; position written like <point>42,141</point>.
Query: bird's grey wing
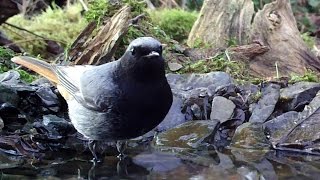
<point>98,88</point>
<point>91,86</point>
<point>70,79</point>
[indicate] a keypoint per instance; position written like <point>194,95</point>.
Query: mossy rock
<point>176,23</point>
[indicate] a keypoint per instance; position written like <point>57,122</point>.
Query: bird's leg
<point>92,148</point>
<point>121,146</point>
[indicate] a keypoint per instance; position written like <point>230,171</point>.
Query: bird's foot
<point>95,161</point>
<point>121,146</point>
<point>92,148</point>
<point>121,156</point>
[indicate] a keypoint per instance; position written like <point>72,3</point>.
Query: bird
<point>115,101</point>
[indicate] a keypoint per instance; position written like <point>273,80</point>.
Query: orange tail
<point>38,66</point>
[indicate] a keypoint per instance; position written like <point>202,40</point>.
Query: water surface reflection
<point>153,164</point>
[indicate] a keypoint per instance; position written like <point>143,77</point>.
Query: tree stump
<point>100,48</point>
<point>275,27</point>
<point>221,21</point>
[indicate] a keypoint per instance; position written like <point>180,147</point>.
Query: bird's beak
<point>152,54</point>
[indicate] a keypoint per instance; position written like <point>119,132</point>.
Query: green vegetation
<point>25,76</point>
<point>236,69</point>
<point>6,65</point>
<point>309,40</point>
<point>102,8</point>
<point>309,76</point>
<point>60,25</point>
<point>175,23</point>
<point>5,56</point>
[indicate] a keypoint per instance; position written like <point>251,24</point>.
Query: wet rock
<point>305,131</point>
<point>55,126</point>
<point>296,96</point>
<point>187,135</point>
<point>174,66</point>
<point>227,91</point>
<point>10,77</point>
<point>222,109</point>
<point>278,127</point>
<point>250,136</point>
<point>196,111</point>
<point>8,95</point>
<point>193,85</point>
<point>18,145</point>
<point>1,124</point>
<point>247,173</point>
<point>174,116</point>
<point>297,131</point>
<point>48,98</point>
<point>158,162</point>
<point>10,161</point>
<point>249,92</point>
<point>41,81</point>
<point>227,129</point>
<point>11,117</point>
<point>265,106</point>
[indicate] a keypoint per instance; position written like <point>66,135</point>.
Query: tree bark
<point>221,21</point>
<point>275,27</point>
<point>100,49</point>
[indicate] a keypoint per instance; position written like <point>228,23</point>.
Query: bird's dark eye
<point>160,48</point>
<point>133,50</point>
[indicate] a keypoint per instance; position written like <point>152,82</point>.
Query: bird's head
<point>144,58</point>
<point>145,48</point>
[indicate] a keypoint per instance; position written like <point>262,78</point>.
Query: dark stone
<point>187,135</point>
<point>304,133</point>
<point>10,114</point>
<point>174,66</point>
<point>195,85</point>
<point>278,127</point>
<point>10,77</point>
<point>296,96</point>
<point>266,105</point>
<point>174,116</point>
<point>158,162</point>
<point>48,98</point>
<point>195,91</point>
<point>55,126</point>
<point>227,91</point>
<point>196,110</point>
<point>1,124</point>
<point>8,95</point>
<point>249,91</point>
<point>250,136</point>
<point>227,129</point>
<point>222,109</point>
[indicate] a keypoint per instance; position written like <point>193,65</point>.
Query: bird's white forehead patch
<point>145,42</point>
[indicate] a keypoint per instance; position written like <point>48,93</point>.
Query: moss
<point>25,76</point>
<point>6,65</point>
<point>102,8</point>
<point>5,54</point>
<point>5,62</point>
<point>175,23</point>
<point>309,40</point>
<point>61,25</point>
<point>309,76</point>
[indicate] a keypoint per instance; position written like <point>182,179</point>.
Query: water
<point>149,163</point>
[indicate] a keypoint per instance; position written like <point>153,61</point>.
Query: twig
<point>277,69</point>
<point>22,29</point>
<point>85,7</point>
<point>136,19</point>
<point>227,54</point>
<point>43,38</point>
